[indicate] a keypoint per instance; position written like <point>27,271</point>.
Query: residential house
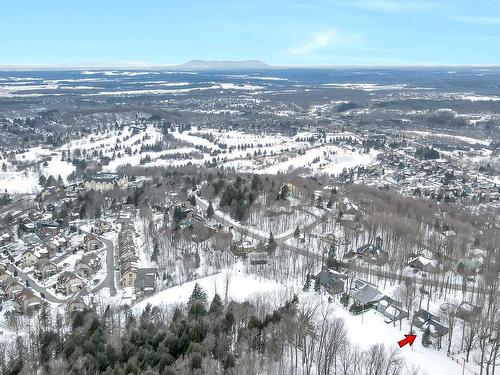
<point>468,312</point>
<point>391,309</point>
<point>87,265</point>
<point>259,257</point>
<point>56,244</point>
<point>242,248</point>
<point>145,281</point>
<point>44,269</point>
<point>11,287</point>
<point>423,264</point>
<point>333,282</point>
<point>423,319</point>
<point>367,295</point>
<point>33,255</point>
<point>91,243</point>
<point>128,273</point>
<point>105,181</point>
<point>101,226</point>
<point>370,252</point>
<point>47,228</point>
<point>27,300</point>
<point>82,300</point>
<point>6,237</point>
<point>69,283</point>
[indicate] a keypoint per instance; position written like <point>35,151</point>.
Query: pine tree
<point>271,246</point>
<point>198,296</point>
<point>317,285</point>
<point>285,192</point>
<point>331,261</point>
<point>210,210</point>
<point>426,338</point>
<point>307,285</point>
<point>296,234</point>
<point>319,202</point>
<point>192,200</point>
<point>155,253</point>
<point>216,307</point>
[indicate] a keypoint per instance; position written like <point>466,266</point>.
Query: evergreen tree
<point>426,338</point>
<point>296,233</point>
<point>331,260</point>
<point>42,180</point>
<point>210,210</point>
<point>198,296</point>
<point>155,253</point>
<point>192,200</point>
<point>319,202</point>
<point>271,246</point>
<point>216,307</point>
<point>317,285</point>
<point>307,285</point>
<point>285,191</point>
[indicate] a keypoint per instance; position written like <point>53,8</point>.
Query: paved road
<point>219,217</point>
<point>33,284</point>
<point>109,280</point>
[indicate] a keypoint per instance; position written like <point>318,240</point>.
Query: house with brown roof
<point>68,283</point>
<point>27,300</point>
<point>11,287</point>
<point>44,268</point>
<point>91,242</point>
<point>87,265</point>
<point>33,255</point>
<point>80,301</point>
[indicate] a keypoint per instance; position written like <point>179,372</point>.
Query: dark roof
<point>367,294</point>
<point>104,177</point>
<point>423,319</point>
<point>146,278</point>
<point>328,278</point>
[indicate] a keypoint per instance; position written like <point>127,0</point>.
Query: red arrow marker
<point>407,340</point>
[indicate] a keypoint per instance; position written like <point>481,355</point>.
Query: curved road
<point>34,285</point>
<point>281,240</point>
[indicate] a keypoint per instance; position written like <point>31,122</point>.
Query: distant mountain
<point>223,65</point>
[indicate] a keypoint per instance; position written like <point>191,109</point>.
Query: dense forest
<point>200,337</point>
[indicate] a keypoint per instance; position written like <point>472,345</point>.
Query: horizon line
<point>154,66</point>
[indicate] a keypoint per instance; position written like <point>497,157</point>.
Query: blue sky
<point>292,32</point>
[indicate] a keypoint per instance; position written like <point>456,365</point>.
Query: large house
<point>56,244</point>
<point>333,282</point>
<point>33,255</point>
<point>423,264</point>
<point>91,243</point>
<point>6,237</point>
<point>27,300</point>
<point>44,268</point>
<point>87,265</point>
<point>423,319</point>
<point>367,296</point>
<point>370,252</point>
<point>127,254</point>
<point>12,286</point>
<point>391,309</point>
<point>80,301</point>
<point>145,281</point>
<point>69,283</point>
<point>101,226</point>
<point>104,181</point>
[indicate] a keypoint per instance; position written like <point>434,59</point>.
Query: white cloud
<point>325,39</point>
<point>479,20</point>
<point>391,5</point>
